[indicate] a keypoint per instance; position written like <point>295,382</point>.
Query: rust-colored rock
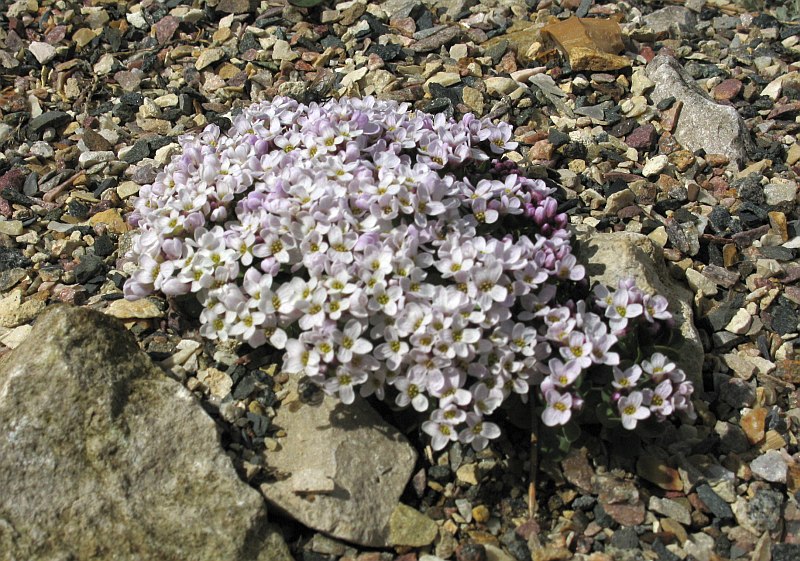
<point>589,43</point>
<point>752,424</point>
<point>727,89</point>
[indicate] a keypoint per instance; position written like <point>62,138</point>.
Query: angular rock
<point>348,459</point>
<point>702,124</point>
<point>43,52</point>
<point>54,119</point>
<point>609,257</point>
<point>669,20</point>
<point>589,43</point>
<point>409,527</point>
<point>104,457</point>
<point>771,466</point>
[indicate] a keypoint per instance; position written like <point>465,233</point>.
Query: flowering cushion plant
<point>392,253</point>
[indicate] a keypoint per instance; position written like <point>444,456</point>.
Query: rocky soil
<point>671,131</point>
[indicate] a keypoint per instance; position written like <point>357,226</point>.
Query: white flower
<point>386,299</point>
<point>440,432</point>
<point>558,409</point>
<point>478,432</point>
<point>348,341</point>
<point>631,410</point>
<point>344,382</point>
<point>411,388</point>
<point>392,350</point>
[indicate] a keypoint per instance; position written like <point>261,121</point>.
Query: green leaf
<point>305,3</point>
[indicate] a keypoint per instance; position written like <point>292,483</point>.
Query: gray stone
<point>780,193</point>
<point>54,119</point>
<point>609,257</point>
<point>341,468</point>
<point>88,159</point>
<point>671,509</point>
<point>104,457</point>
<point>714,502</point>
<point>770,466</point>
<point>399,8</point>
<point>786,551</point>
<point>670,21</point>
<point>43,52</point>
<point>702,124</point>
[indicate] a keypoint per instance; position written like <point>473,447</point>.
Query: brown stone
<point>620,499</point>
<point>682,159</point>
<point>657,471</point>
<point>730,255</point>
<point>583,59</point>
<point>669,117</point>
<point>752,424</point>
<point>589,43</point>
<point>788,370</point>
<point>112,219</point>
<point>668,144</point>
<point>642,138</point>
<point>777,221</point>
<point>675,529</point>
<point>793,481</point>
<point>235,6</point>
<point>597,34</point>
<point>717,160</point>
<point>577,469</point>
<point>95,141</point>
<point>542,150</point>
<point>552,554</point>
<point>785,111</point>
<point>508,63</point>
<point>727,89</point>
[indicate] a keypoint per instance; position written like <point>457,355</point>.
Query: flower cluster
<point>387,252</point>
<point>585,339</point>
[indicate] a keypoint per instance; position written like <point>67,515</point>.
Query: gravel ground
<point>94,95</point>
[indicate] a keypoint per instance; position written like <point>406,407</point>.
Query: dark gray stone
<point>139,151</point>
<point>49,119</point>
<point>785,552</point>
<point>89,266</point>
<point>625,538</point>
<point>714,502</point>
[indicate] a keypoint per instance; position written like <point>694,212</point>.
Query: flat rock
<point>360,465</point>
<point>609,257</point>
<point>409,527</point>
<point>43,52</point>
<point>54,119</point>
<point>107,458</point>
<point>208,57</point>
<point>133,309</point>
<point>88,159</point>
<point>112,219</point>
<point>702,123</point>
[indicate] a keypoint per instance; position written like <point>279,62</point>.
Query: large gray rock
<point>340,469</point>
<point>102,457</point>
<point>613,256</point>
<point>702,123</point>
